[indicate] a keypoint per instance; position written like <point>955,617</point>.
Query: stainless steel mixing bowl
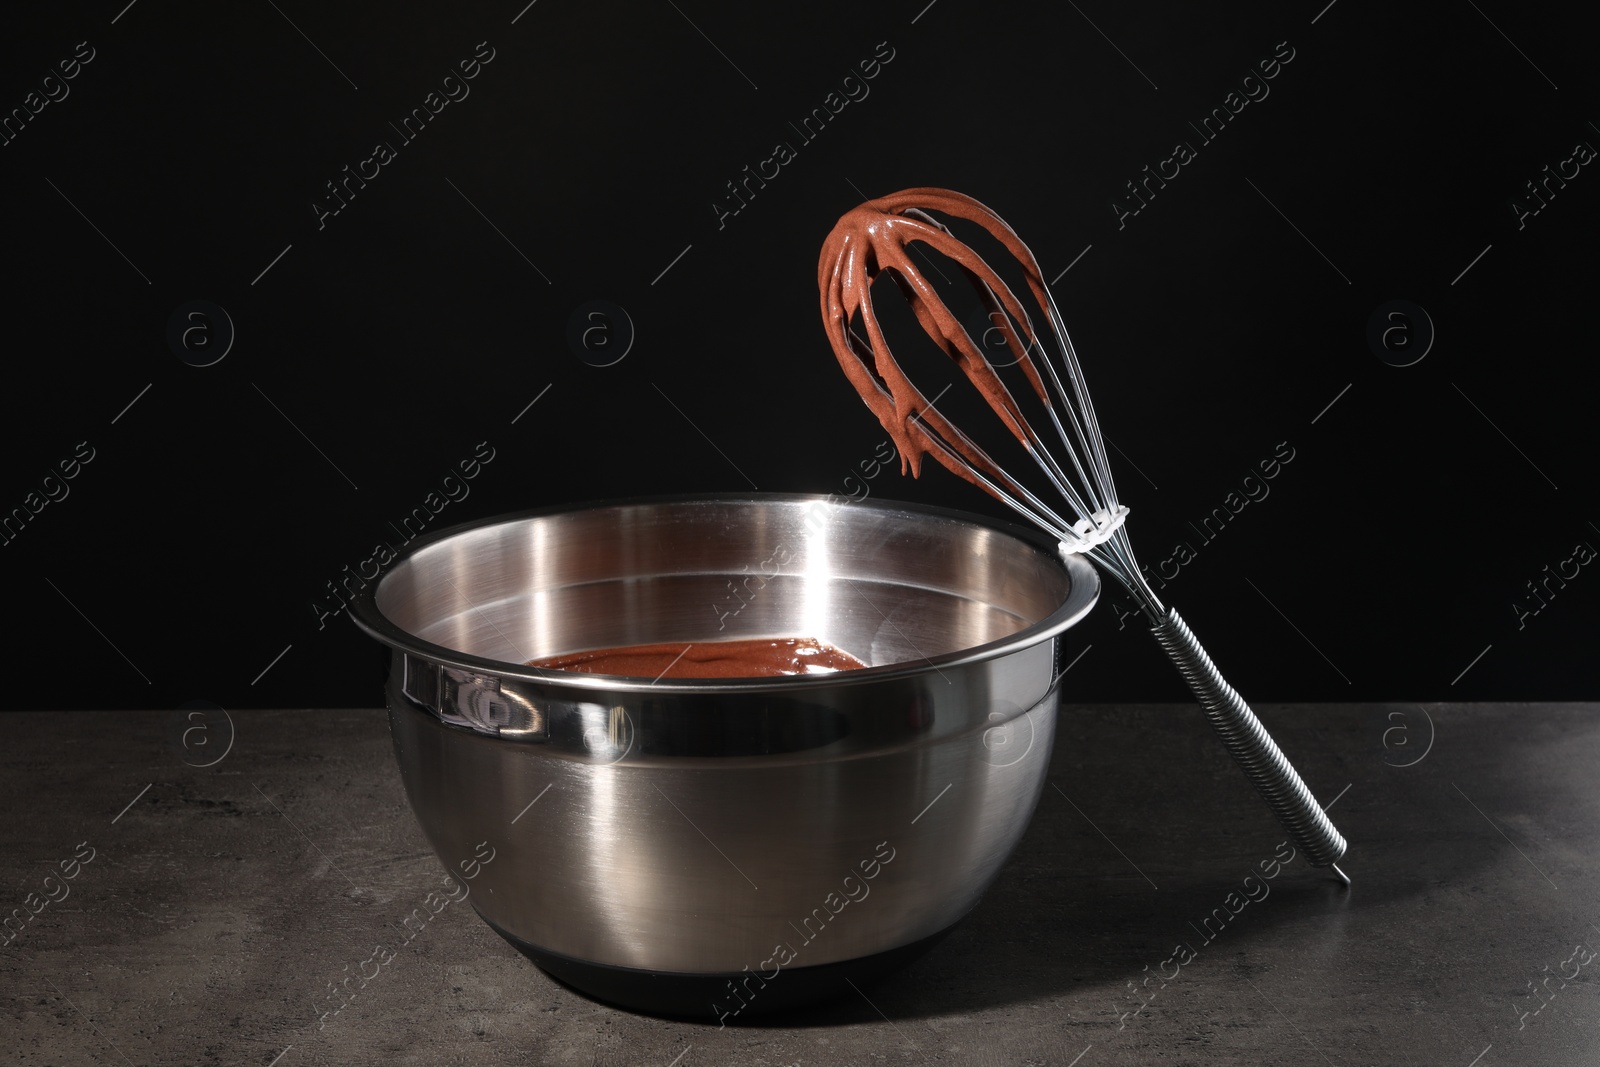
<point>720,848</point>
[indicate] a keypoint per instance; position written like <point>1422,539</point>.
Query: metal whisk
<point>875,238</point>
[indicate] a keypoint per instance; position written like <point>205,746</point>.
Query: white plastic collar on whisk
<point>1094,530</point>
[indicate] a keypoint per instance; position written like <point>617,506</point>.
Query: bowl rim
<point>1083,593</point>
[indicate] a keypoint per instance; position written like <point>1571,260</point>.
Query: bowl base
<point>709,998</point>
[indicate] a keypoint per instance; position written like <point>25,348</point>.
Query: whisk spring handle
<point>1252,747</point>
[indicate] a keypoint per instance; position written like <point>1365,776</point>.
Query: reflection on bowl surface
<point>721,847</point>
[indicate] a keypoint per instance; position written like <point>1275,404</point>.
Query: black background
<point>382,346</point>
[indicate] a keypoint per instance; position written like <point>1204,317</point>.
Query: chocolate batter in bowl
<point>716,848</point>
<point>761,657</point>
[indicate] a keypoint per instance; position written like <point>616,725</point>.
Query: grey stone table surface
<point>166,913</point>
